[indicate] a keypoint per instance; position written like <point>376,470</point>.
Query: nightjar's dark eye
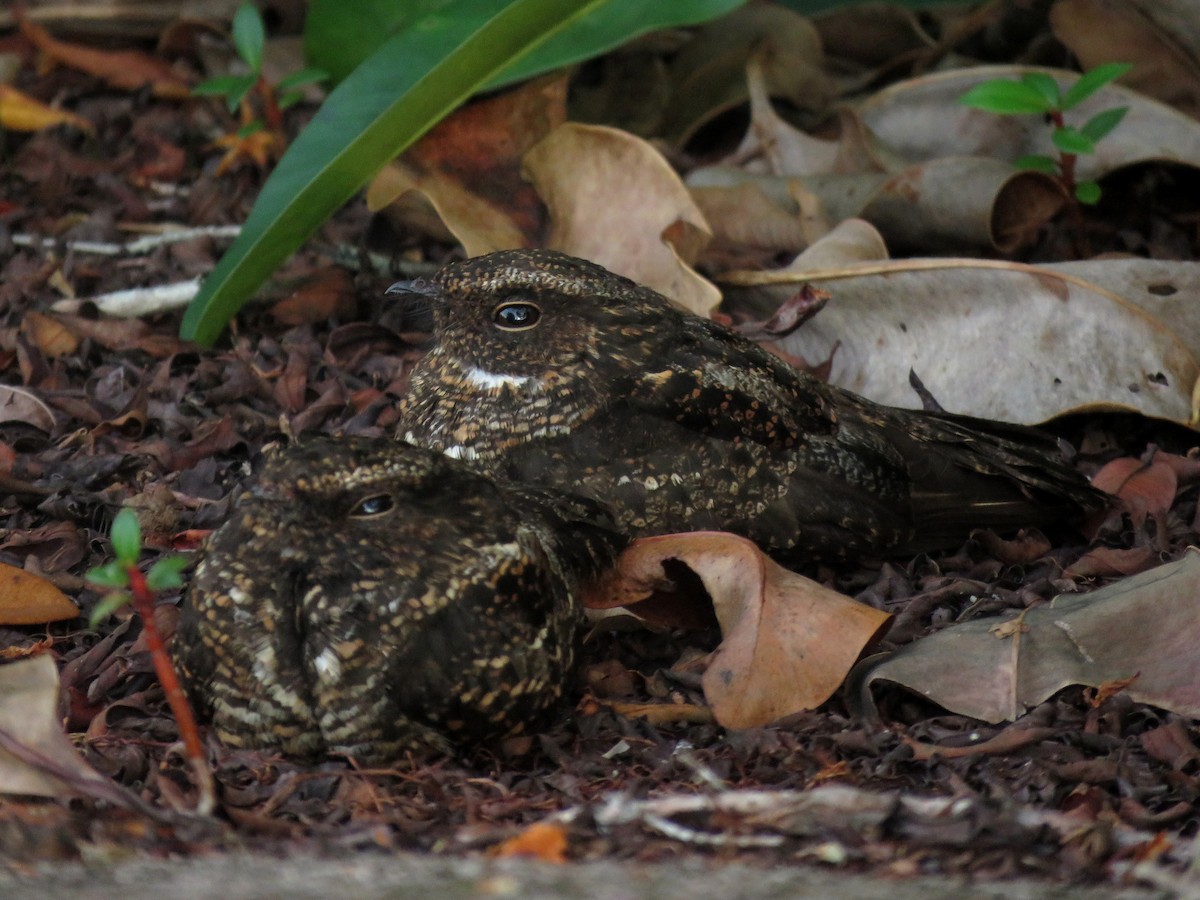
<point>516,315</point>
<point>375,505</point>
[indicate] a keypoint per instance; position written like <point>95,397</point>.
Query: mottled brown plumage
<point>553,370</point>
<point>372,599</point>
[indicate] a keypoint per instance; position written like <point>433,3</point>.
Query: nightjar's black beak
<point>419,286</point>
<point>414,311</point>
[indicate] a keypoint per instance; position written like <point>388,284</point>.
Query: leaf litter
<point>1094,779</point>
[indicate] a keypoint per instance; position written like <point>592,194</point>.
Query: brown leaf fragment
<point>1028,546</point>
<point>1108,561</point>
<point>126,69</point>
<point>790,315</point>
<point>49,335</point>
<point>27,599</point>
<point>787,641</point>
<point>1146,488</point>
<point>20,112</point>
<point>664,713</point>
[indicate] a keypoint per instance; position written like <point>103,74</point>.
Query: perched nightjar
<point>552,370</point>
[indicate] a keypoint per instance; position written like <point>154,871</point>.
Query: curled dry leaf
<point>27,599</point>
<point>614,199</point>
<point>20,405</point>
<point>788,642</point>
<point>1146,626</point>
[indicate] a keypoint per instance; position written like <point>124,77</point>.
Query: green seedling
<point>241,91</point>
<point>1038,93</point>
<point>126,583</point>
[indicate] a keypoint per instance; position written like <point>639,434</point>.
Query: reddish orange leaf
<point>127,69</point>
<point>540,840</point>
<point>27,599</point>
<point>20,112</point>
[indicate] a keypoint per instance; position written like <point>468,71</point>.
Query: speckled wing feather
<point>376,599</point>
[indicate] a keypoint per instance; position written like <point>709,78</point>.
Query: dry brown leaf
<point>20,112</point>
<point>1147,625</point>
<point>125,69</point>
<point>787,641</point>
<point>29,714</point>
<point>1145,488</point>
<point>1105,562</point>
<point>959,322</point>
<point>921,119</point>
<point>27,599</point>
<point>708,74</point>
<point>469,169</point>
<point>18,404</point>
<point>49,334</point>
<point>613,199</point>
<point>1160,38</point>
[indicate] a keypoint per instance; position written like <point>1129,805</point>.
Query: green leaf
<point>126,537</point>
<point>339,36</point>
<point>1006,98</point>
<point>1087,192</point>
<point>1070,140</point>
<point>233,88</point>
<point>223,85</point>
<point>388,102</point>
<point>165,574</point>
<point>106,607</point>
<point>249,36</point>
<point>110,575</point>
<point>1046,86</point>
<point>1101,124</point>
<point>1038,163</point>
<point>303,77</point>
<point>1092,81</point>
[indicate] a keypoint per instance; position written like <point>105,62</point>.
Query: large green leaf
<point>389,101</point>
<point>339,36</point>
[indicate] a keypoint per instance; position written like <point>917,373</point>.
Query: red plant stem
<point>272,114</point>
<point>1066,161</point>
<point>143,603</point>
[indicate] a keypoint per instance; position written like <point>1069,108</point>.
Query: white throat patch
<point>491,381</point>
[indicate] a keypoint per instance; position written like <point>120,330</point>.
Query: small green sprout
<point>249,39</point>
<point>1037,93</point>
<point>127,584</point>
<point>121,575</point>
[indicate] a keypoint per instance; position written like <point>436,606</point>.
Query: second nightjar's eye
<point>375,505</point>
<point>516,315</point>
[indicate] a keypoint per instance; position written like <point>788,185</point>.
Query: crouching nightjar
<point>373,599</point>
<point>552,370</point>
